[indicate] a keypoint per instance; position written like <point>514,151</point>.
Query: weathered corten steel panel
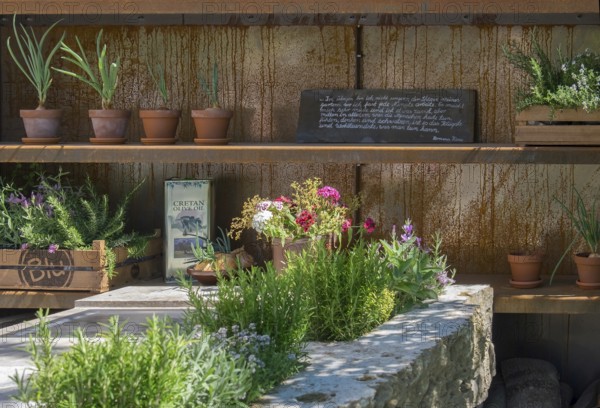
<point>482,211</point>
<point>262,71</point>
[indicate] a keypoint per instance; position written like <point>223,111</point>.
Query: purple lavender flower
<point>52,248</point>
<point>24,246</point>
<point>13,199</point>
<point>329,192</point>
<point>443,279</point>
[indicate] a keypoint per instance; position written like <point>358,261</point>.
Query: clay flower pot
<point>41,125</point>
<point>206,272</point>
<point>588,270</point>
<point>525,269</point>
<point>280,252</point>
<point>110,125</point>
<point>160,125</point>
<point>211,125</point>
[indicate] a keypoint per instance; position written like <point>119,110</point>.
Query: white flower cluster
<point>260,219</point>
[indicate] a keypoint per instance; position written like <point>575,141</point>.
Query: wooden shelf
<point>563,297</point>
<point>296,153</point>
<point>308,12</point>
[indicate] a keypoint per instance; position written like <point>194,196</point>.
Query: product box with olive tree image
<point>188,219</point>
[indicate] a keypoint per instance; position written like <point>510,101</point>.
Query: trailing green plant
<point>158,78</point>
<point>419,273</point>
<point>265,303</point>
<point>349,289</point>
<point>211,88</point>
<point>162,367</point>
<point>32,61</point>
<point>565,83</point>
<point>107,77</point>
<point>586,222</point>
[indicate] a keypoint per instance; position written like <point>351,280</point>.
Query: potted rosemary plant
<point>587,225</point>
<point>211,123</point>
<point>109,124</point>
<point>41,124</point>
<point>160,125</point>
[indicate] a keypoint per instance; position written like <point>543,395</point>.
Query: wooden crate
<point>527,133</point>
<point>76,270</point>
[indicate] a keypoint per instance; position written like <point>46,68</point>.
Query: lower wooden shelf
<point>563,297</point>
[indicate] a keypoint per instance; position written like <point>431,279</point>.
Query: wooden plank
<point>543,114</point>
<point>23,299</point>
<point>291,7</point>
<point>294,153</point>
<point>563,297</point>
<point>570,135</point>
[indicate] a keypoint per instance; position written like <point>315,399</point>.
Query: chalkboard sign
<point>387,116</point>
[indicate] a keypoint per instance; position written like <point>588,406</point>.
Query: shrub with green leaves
<point>348,289</point>
<point>57,215</point>
<point>265,303</point>
<point>564,83</point>
<point>161,368</point>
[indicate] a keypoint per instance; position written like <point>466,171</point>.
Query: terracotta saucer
<point>158,140</point>
<point>107,140</point>
<point>40,140</point>
<point>583,285</point>
<point>211,141</point>
<point>525,285</point>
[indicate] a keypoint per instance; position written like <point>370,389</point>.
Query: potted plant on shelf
<point>560,93</point>
<point>160,125</point>
<point>41,125</point>
<point>312,213</point>
<point>109,124</point>
<point>587,224</point>
<point>217,259</point>
<point>525,269</point>
<point>211,123</point>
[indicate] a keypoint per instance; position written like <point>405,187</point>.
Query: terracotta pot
<point>280,252</point>
<point>525,267</point>
<point>41,123</point>
<point>206,272</point>
<point>211,125</point>
<point>161,123</point>
<point>588,270</point>
<point>109,123</point>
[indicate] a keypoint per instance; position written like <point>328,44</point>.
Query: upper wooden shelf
<point>309,12</point>
<point>563,297</point>
<point>299,153</point>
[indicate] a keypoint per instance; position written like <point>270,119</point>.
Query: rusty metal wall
<point>479,208</point>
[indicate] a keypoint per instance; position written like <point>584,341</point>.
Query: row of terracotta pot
<point>42,126</point>
<point>526,270</point>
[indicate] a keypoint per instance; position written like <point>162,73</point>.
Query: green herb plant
<point>211,88</point>
<point>105,81</point>
<point>586,222</point>
<point>31,59</point>
<point>273,305</point>
<point>158,78</point>
<point>162,367</point>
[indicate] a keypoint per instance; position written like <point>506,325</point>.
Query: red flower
<point>369,225</point>
<point>283,199</point>
<point>306,219</point>
<point>346,224</point>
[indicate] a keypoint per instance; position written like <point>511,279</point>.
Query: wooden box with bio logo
<point>33,278</point>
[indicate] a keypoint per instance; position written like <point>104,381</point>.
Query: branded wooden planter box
<point>37,278</point>
<point>566,127</point>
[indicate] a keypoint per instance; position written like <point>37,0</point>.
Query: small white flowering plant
<point>562,84</point>
<point>312,210</point>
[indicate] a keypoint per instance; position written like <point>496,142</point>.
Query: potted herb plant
<point>109,124</point>
<point>587,225</point>
<point>211,123</point>
<point>216,259</point>
<point>562,92</point>
<point>160,125</point>
<point>41,125</point>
